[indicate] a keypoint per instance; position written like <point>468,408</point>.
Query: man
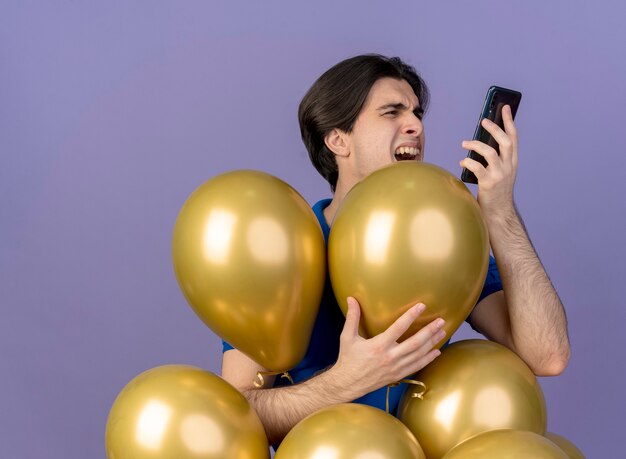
<point>362,114</point>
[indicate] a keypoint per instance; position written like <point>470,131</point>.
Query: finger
<point>505,142</point>
<point>425,339</point>
<point>411,366</point>
<point>474,166</point>
<point>509,124</point>
<point>511,131</point>
<point>402,324</point>
<point>493,129</point>
<point>353,316</point>
<point>489,153</point>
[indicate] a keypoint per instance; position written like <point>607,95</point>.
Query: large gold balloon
<point>506,444</point>
<point>474,386</point>
<point>350,431</point>
<point>409,232</point>
<point>570,448</point>
<point>183,412</point>
<point>249,256</point>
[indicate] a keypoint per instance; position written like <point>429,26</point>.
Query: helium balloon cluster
<point>480,400</point>
<point>250,258</point>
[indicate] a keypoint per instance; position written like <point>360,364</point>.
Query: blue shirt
<point>323,348</point>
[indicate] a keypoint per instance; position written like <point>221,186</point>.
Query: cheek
<point>385,137</point>
<point>375,144</point>
<point>378,148</point>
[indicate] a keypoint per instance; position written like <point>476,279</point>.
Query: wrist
<point>500,216</point>
<point>342,383</point>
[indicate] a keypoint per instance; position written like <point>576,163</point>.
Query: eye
<point>391,113</point>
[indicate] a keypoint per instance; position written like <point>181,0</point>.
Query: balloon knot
<point>260,381</point>
<point>419,395</point>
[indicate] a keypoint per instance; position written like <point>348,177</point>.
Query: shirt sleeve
<point>492,284</point>
<point>226,346</point>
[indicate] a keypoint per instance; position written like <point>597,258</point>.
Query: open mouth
<point>407,153</point>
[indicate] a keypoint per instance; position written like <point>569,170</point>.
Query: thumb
<point>353,316</point>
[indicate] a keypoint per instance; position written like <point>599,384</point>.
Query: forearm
<point>280,409</point>
<point>537,319</point>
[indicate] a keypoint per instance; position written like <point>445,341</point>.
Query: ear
<point>337,142</point>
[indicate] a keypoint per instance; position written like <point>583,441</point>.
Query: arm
<point>363,365</point>
<point>528,317</point>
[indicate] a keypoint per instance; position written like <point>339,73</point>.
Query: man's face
<point>388,129</point>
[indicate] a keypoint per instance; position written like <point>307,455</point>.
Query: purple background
<point>111,114</point>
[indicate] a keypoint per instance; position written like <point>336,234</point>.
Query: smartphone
<point>497,98</point>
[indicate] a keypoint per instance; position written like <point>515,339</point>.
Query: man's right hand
<point>366,365</point>
<point>363,366</point>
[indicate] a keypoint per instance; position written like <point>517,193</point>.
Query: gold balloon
<point>506,444</point>
<point>410,232</point>
<point>350,431</point>
<point>570,448</point>
<point>249,256</point>
<point>178,411</point>
<point>474,386</point>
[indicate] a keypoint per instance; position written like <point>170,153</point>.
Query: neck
<point>340,193</point>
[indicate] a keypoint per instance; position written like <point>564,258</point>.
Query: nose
<point>413,125</point>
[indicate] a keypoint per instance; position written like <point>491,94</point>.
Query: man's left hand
<point>495,182</point>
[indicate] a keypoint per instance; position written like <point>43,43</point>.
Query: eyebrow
<point>399,106</point>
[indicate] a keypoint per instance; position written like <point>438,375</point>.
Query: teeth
<point>408,150</point>
<point>407,153</point>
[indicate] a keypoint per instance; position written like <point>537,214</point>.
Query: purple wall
<point>111,114</point>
